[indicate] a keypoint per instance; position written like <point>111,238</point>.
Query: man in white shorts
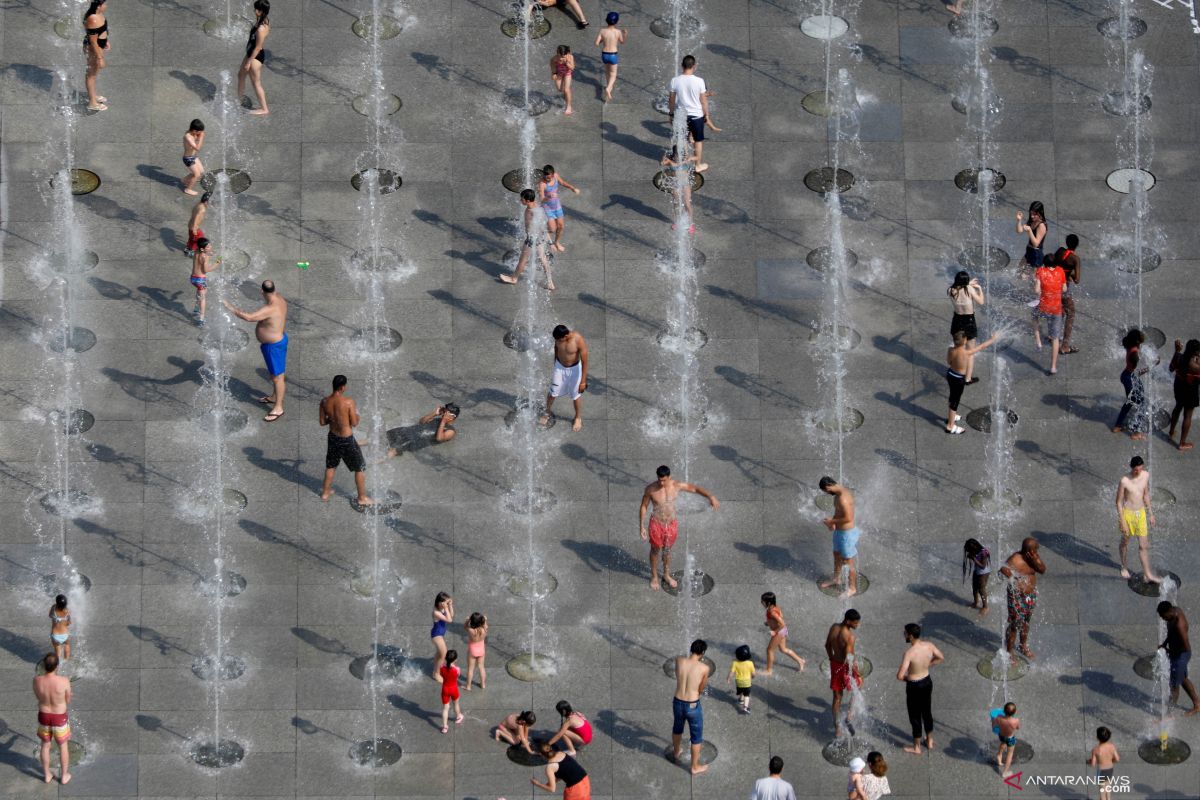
<point>570,372</point>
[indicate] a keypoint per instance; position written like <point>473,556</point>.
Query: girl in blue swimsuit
<point>443,613</point>
<point>60,628</point>
<point>548,188</point>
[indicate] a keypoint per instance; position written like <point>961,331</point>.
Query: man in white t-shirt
<point>689,93</point>
<point>773,787</point>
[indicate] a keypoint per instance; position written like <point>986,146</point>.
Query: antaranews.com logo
<point>1118,784</point>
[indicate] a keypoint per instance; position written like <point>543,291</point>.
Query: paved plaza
<point>303,616</point>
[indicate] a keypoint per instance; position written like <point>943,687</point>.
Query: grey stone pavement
<point>298,624</point>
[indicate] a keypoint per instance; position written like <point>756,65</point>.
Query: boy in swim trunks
<point>193,140</point>
<point>532,241</point>
<point>202,264</point>
<point>570,372</point>
<point>195,233</point>
<point>608,40</point>
<point>1133,509</point>
<point>845,536</point>
<point>664,524</point>
<point>53,693</point>
<point>1104,756</point>
<point>1005,725</point>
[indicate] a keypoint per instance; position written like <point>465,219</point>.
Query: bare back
<point>843,509</point>
<point>919,657</point>
<point>690,677</point>
<point>53,692</point>
<point>958,359</point>
<point>197,218</point>
<point>1025,575</point>
<point>610,38</point>
<point>840,642</point>
<point>340,413</point>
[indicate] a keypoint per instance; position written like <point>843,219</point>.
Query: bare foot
<point>768,673</point>
<point>577,424</point>
<point>847,594</point>
<point>1025,651</point>
<point>568,113</point>
<point>1194,710</point>
<point>192,192</point>
<point>1117,429</point>
<point>1137,437</point>
<point>49,778</point>
<point>953,10</point>
<point>1186,445</point>
<point>654,583</point>
<point>559,247</point>
<point>828,583</point>
<point>468,687</point>
<point>506,278</point>
<point>325,496</point>
<point>915,749</point>
<point>674,584</point>
<point>983,611</point>
<point>697,769</point>
<point>929,742</point>
<point>65,779</point>
<point>1152,579</point>
<point>607,95</point>
<point>1125,574</point>
<point>366,501</point>
<point>258,112</point>
<point>544,420</point>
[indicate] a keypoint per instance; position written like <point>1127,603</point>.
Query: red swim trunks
<point>663,536</point>
<point>839,676</point>
<point>193,237</point>
<point>53,726</point>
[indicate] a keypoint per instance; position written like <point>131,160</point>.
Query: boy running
<point>608,39</point>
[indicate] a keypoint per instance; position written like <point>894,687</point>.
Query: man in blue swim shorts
<point>271,322</point>
<point>845,536</point>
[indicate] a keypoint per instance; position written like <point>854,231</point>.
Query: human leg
<point>654,551</point>
<point>327,486</point>
<point>1068,324</point>
<point>64,760</point>
<point>835,709</point>
<point>446,716</point>
<point>243,72</point>
<point>439,656</point>
<point>1127,384</point>
<point>912,704</point>
<point>568,94</point>
<point>789,652</point>
<point>44,756</point>
<point>772,646</point>
<point>1184,444</point>
<point>1144,556</point>
<point>578,423</point>
<point>1123,550</point>
<point>256,82</point>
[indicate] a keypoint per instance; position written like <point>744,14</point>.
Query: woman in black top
<point>561,767</point>
<point>95,42</point>
<point>256,56</point>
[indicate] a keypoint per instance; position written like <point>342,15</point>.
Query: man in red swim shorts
<point>53,693</point>
<point>839,647</point>
<point>664,525</point>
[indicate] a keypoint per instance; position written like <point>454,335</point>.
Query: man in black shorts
<point>689,94</point>
<point>340,413</point>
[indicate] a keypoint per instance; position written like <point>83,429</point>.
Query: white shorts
<point>566,380</point>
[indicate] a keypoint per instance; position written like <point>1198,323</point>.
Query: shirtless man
<point>53,693</point>
<point>271,322</point>
<point>340,413</point>
<point>570,372</point>
<point>839,647</point>
<point>1179,652</point>
<point>434,427</point>
<point>1133,509</point>
<point>664,524</point>
<point>195,232</point>
<point>845,536</point>
<point>691,678</point>
<point>1022,569</point>
<point>918,686</point>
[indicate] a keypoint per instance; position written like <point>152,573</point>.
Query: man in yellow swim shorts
<point>1133,510</point>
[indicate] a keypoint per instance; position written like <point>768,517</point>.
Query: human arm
<point>938,658</point>
<point>704,677</point>
<point>671,103</point>
<point>568,185</point>
<point>973,350</point>
<point>322,416</point>
<point>599,39</point>
<point>561,732</point>
<point>902,673</point>
<point>551,783</point>
<point>829,644</point>
<point>1091,762</point>
<point>975,291</point>
<point>1181,624</point>
<point>642,515</point>
<point>1036,238</point>
<point>523,730</point>
<point>1035,563</point>
<point>704,102</point>
<point>1146,502</point>
<point>583,352</point>
<point>700,490</point>
<point>1121,507</point>
<point>248,316</point>
<point>442,434</point>
<point>431,416</point>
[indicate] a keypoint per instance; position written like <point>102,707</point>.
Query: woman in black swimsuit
<point>256,55</point>
<point>95,42</point>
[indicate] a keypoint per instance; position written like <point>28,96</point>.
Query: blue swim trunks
<point>846,543</point>
<point>554,213</point>
<point>275,355</point>
<point>609,58</point>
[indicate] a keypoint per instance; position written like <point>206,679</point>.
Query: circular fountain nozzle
<point>973,26</point>
<point>973,179</point>
<point>538,103</point>
<point>1127,260</point>
<point>227,584</point>
<point>381,339</point>
<point>79,340</point>
<point>708,754</point>
<point>824,180</point>
<point>534,501</point>
<point>1145,588</point>
<point>72,264</point>
<point>840,752</point>
<point>981,418</point>
<point>83,181</point>
<point>387,180</point>
<point>74,423</point>
<point>218,754</point>
<point>387,503</point>
<point>208,668</point>
<point>365,104</point>
<point>865,667</point>
<point>837,590</point>
<point>1125,104</point>
<point>383,26</point>
<point>519,24</point>
<point>1008,671</point>
<point>75,750</point>
<point>1115,28</point>
<point>52,585</point>
<point>514,180</point>
<point>666,183</point>
<point>532,668</point>
<point>386,662</point>
<point>375,753</point>
<point>1176,751</point>
<point>239,180</point>
<point>1125,179</point>
<point>824,27</point>
<point>535,586</point>
<point>979,258</point>
<point>830,421</point>
<point>985,501</point>
<point>664,27</point>
<point>697,584</point>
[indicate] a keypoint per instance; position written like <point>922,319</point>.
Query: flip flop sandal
<point>272,417</point>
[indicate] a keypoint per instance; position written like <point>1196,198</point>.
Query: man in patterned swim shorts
<point>53,693</point>
<point>664,524</point>
<point>1022,569</point>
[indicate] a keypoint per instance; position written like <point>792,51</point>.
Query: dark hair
<point>528,717</point>
<point>1133,338</point>
<point>1137,461</point>
<point>268,286</point>
<point>60,601</point>
<point>441,598</point>
<point>50,662</point>
<point>612,18</point>
<point>768,598</point>
<point>699,647</point>
<point>961,279</point>
<point>742,653</point>
<point>1009,708</point>
<point>204,198</point>
<point>564,49</point>
<point>1072,241</point>
<point>663,471</point>
<point>1103,734</point>
<point>93,7</point>
<point>451,657</point>
<point>564,708</point>
<point>264,6</point>
<point>913,630</point>
<point>775,765</point>
<point>196,125</point>
<point>852,615</point>
<point>826,482</point>
<point>1036,207</point>
<point>877,764</point>
<point>452,408</point>
<point>1191,349</point>
<point>560,331</point>
<point>338,382</point>
<point>528,195</point>
<point>547,170</point>
<point>202,243</point>
<point>688,62</point>
<point>475,620</point>
<point>1164,607</point>
<point>972,547</point>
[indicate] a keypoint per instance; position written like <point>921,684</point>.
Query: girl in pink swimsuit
<point>779,633</point>
<point>576,731</point>
<point>477,628</point>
